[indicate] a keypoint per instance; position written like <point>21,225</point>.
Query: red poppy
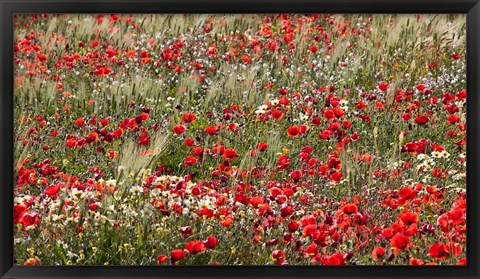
<point>277,114</point>
<point>186,231</point>
<point>296,175</point>
<point>383,86</point>
<point>179,129</point>
<point>378,253</point>
<point>189,142</point>
<point>452,119</point>
<point>190,161</point>
<point>309,230</point>
<point>188,118</point>
<point>414,261</point>
<point>18,212</point>
<point>439,251</point>
<point>313,49</point>
<point>312,249</point>
<point>262,146</point>
<point>329,115</point>
<point>334,126</point>
<point>211,130</point>
<point>30,219</point>
<point>278,257</point>
<point>210,242</point>
<point>41,57</point>
<point>293,131</point>
<point>293,226</point>
<point>421,87</point>
<point>350,208</point>
<point>336,176</point>
<point>407,193</point>
<point>80,121</point>
<point>52,190</point>
<point>421,120</point>
<point>141,117</point>
<point>286,211</point>
<point>162,258</point>
<point>195,247</point>
<point>283,91</point>
<point>346,124</point>
<point>230,154</point>
<point>177,255</point>
<point>143,140</point>
<point>335,259</point>
<point>409,218</point>
<point>400,241</point>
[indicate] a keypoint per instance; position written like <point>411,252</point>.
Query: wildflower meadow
<point>254,139</point>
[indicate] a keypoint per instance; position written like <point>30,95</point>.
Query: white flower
<point>136,190</point>
<point>436,154</point>
<point>444,154</point>
<point>274,102</point>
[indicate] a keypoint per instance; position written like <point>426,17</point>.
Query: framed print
<point>242,138</point>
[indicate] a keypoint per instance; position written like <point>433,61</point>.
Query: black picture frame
<point>8,7</point>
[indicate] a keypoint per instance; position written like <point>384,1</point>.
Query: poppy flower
<point>195,247</point>
<point>262,146</point>
<point>407,193</point>
<point>286,211</point>
<point>452,119</point>
<point>409,218</point>
<point>414,261</point>
<point>293,131</point>
<point>293,226</point>
<point>312,249</point>
<point>186,231</point>
<point>456,56</point>
<point>143,140</point>
<point>211,242</point>
<point>30,219</point>
<point>278,256</point>
<point>179,129</point>
<point>329,115</point>
<point>190,161</point>
<point>32,261</point>
<point>162,258</point>
<point>336,176</point>
<point>230,154</point>
<point>177,255</point>
<point>400,241</point>
<point>283,91</point>
<point>189,142</point>
<point>80,122</point>
<point>18,212</point>
<point>188,118</point>
<point>421,120</point>
<point>52,190</point>
<point>313,49</point>
<point>383,86</point>
<point>439,251</point>
<point>378,253</point>
<point>277,114</point>
<point>211,130</point>
<point>334,126</point>
<point>296,175</point>
<point>309,230</point>
<point>335,259</point>
<point>349,208</point>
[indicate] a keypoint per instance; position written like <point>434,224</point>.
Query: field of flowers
<point>240,139</point>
